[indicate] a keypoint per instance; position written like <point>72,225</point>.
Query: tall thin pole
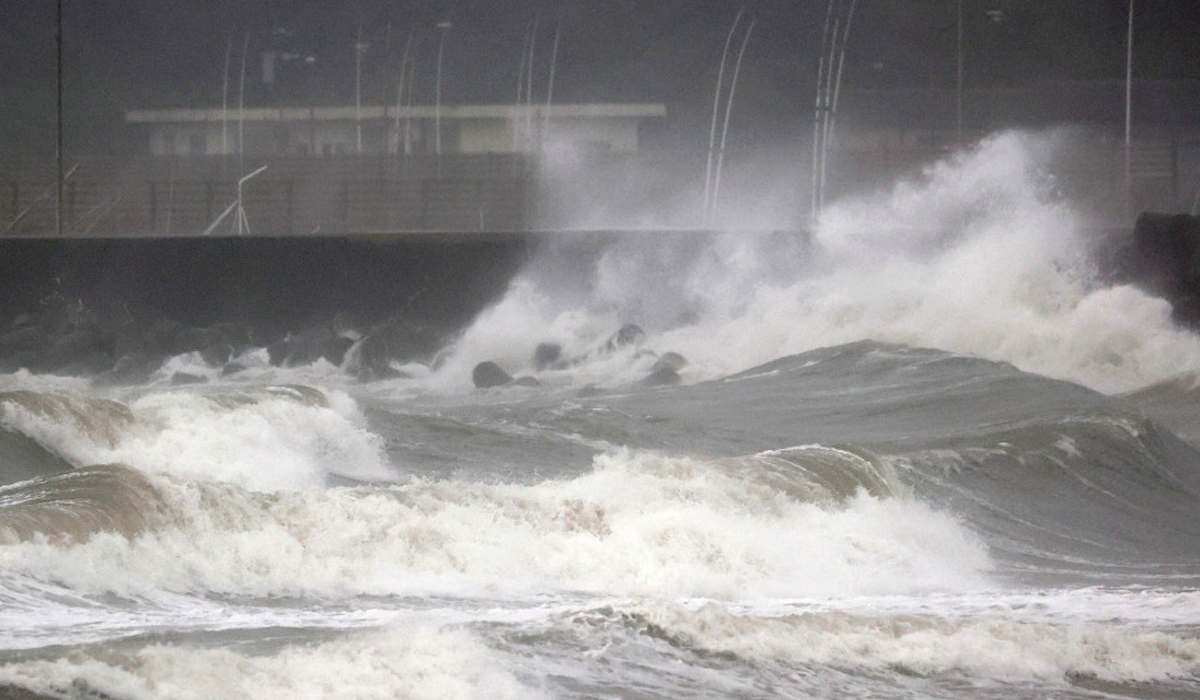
<point>537,18</point>
<point>818,114</point>
<point>400,93</point>
<point>826,107</point>
<point>737,68</point>
<point>242,108</point>
<point>437,110</point>
<point>359,49</point>
<point>712,132</point>
<point>550,82</point>
<point>521,72</point>
<point>958,110</point>
<point>841,62</point>
<point>58,137</point>
<point>225,100</point>
<point>1129,108</point>
<point>408,93</point>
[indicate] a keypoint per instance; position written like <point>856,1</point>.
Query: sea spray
<point>978,254</point>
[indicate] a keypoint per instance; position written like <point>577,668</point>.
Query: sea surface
<point>925,452</point>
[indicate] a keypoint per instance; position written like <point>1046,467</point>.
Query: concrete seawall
<point>100,291</point>
<point>82,305</point>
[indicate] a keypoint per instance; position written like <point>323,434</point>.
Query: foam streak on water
<point>922,517</point>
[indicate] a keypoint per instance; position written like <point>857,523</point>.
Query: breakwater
<point>82,304</point>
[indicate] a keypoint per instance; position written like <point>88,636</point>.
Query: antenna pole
<point>58,138</point>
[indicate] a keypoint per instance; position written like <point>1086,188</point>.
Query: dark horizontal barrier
<point>93,300</point>
<point>272,284</point>
<point>83,305</point>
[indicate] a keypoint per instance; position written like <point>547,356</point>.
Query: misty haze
<point>623,349</point>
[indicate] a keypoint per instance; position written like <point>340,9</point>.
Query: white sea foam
<point>416,662</point>
<point>978,255</point>
<point>639,524</point>
<point>265,439</point>
<point>997,647</point>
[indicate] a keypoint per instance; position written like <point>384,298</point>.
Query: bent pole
<point>242,223</point>
<point>818,107</point>
<point>737,68</point>
<point>712,134</point>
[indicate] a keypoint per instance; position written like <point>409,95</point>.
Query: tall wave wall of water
<point>980,253</point>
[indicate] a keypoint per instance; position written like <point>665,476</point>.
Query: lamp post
<point>360,47</point>
<point>1129,112</point>
<point>58,133</point>
<point>958,85</point>
<point>443,27</point>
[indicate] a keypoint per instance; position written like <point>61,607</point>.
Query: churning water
<point>925,452</point>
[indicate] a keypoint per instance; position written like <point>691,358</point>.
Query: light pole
<point>1129,112</point>
<point>442,26</point>
<point>958,92</point>
<point>58,132</point>
<point>360,47</point>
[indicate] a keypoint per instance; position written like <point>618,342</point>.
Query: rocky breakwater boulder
<point>319,342</point>
<point>60,335</point>
<point>488,374</point>
<point>398,341</point>
<point>142,349</point>
<point>665,371</point>
<point>549,356</point>
<point>1162,255</point>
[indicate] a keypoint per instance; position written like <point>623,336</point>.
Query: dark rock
<point>75,345</point>
<point>26,359</point>
<point>628,334</point>
<point>662,376</point>
<point>159,337</point>
<point>130,369</point>
<point>191,340</point>
<point>239,335</point>
<point>277,352</point>
<point>546,355</point>
<point>126,338</point>
<point>185,378</point>
<point>489,374</point>
<point>527,381</point>
<point>405,341</point>
<point>669,360</point>
<point>232,368</point>
<point>25,337</point>
<point>371,357</point>
<point>334,350</point>
<point>88,365</point>
<point>217,355</point>
<point>1163,257</point>
<point>304,350</point>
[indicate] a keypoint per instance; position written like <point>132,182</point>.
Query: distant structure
<point>335,131</point>
<point>883,132</point>
<point>328,170</point>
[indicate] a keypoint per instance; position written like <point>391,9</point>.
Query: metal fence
<point>186,196</point>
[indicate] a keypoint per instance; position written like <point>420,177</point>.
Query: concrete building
<point>379,130</point>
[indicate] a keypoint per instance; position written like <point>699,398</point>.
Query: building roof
<point>492,111</point>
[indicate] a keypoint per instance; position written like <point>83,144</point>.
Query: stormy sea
<point>926,449</point>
